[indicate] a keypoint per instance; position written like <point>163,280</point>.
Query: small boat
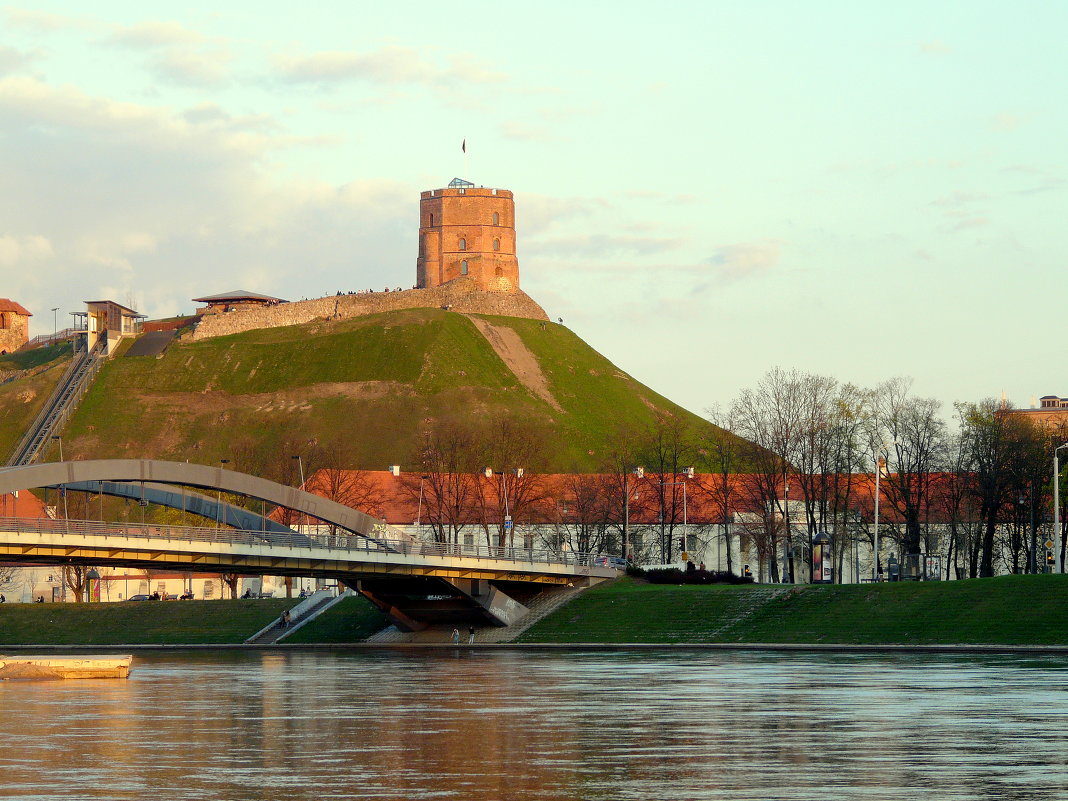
<point>65,667</point>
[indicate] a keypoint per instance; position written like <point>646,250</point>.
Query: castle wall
<point>14,331</point>
<point>460,296</point>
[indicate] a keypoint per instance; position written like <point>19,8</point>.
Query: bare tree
<point>911,436</point>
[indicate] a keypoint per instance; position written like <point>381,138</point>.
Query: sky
<point>704,190</point>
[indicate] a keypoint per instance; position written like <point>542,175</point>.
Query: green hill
<point>367,387</point>
<point>33,376</point>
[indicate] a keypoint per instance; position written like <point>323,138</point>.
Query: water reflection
<point>523,725</point>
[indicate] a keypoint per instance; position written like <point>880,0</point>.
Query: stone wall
<point>460,295</point>
<point>14,331</point>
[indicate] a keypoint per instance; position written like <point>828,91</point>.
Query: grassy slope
<point>22,399</point>
<point>352,620</point>
<point>370,380</point>
<point>142,623</point>
<point>1009,610</point>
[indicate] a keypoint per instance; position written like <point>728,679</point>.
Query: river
<point>479,725</point>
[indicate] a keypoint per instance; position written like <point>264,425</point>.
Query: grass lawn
<point>1008,610</point>
<point>352,620</point>
<point>140,623</point>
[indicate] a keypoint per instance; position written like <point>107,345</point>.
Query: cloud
<point>934,48</point>
<point>108,198</point>
<point>602,246</point>
<point>389,65</point>
<point>955,200</point>
<point>12,60</point>
<point>1004,121</point>
<point>43,21</point>
<point>17,251</point>
<point>153,34</point>
<point>199,67</point>
<point>736,262</point>
<point>521,132</point>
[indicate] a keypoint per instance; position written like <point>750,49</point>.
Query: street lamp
<point>687,473</point>
<point>55,325</point>
<point>490,473</point>
<point>640,473</point>
<point>1059,567</point>
<point>218,496</point>
<point>419,509</point>
<point>300,466</point>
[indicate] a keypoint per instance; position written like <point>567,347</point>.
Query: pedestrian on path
<point>471,635</point>
<point>455,636</point>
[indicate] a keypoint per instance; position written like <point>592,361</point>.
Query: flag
<point>463,146</point>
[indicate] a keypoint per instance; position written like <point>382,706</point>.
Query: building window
<point>496,244</point>
<point>3,320</point>
<point>431,220</point>
<point>463,244</point>
<point>463,267</point>
<point>496,218</point>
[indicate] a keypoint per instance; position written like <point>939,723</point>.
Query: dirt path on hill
<point>517,356</point>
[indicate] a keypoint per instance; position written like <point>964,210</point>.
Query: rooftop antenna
<point>463,147</point>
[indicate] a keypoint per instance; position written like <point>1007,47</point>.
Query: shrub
<point>675,576</point>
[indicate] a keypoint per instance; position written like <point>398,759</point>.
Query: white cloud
<point>141,200</point>
<point>12,59</point>
<point>198,67</point>
<point>735,262</point>
<point>16,251</point>
<point>153,34</point>
<point>388,65</point>
<point>43,21</point>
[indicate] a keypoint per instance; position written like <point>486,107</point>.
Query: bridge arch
<point>53,474</point>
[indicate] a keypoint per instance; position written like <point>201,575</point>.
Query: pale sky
<point>704,190</point>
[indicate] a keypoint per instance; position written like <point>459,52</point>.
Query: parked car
<point>139,598</point>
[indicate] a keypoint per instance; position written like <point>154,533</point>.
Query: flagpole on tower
<point>463,147</point>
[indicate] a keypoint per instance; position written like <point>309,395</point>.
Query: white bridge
<point>416,583</point>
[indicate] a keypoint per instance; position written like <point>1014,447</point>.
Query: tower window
<point>463,244</point>
<point>496,218</point>
<point>463,267</point>
<point>496,244</point>
<point>431,220</point>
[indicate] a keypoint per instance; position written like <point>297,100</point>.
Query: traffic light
<point>1049,558</point>
<point>682,544</point>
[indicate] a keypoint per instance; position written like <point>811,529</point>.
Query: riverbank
<point>1008,612</point>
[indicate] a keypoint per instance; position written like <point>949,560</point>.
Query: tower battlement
<point>467,231</point>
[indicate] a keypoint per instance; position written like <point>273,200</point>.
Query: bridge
<point>415,583</point>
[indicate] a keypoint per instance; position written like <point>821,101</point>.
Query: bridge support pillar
<point>502,609</point>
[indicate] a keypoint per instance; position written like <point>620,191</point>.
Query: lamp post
<point>419,509</point>
<point>490,473</point>
<point>640,473</point>
<point>218,496</point>
<point>688,473</point>
<point>55,325</point>
<point>62,489</point>
<point>1058,567</point>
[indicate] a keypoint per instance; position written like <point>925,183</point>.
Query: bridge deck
<point>272,553</point>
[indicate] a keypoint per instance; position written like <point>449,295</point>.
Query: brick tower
<point>469,231</point>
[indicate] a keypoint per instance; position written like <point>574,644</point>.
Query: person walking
<point>455,636</point>
<point>470,635</point>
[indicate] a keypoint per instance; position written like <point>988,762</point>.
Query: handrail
<point>71,387</point>
<point>341,543</point>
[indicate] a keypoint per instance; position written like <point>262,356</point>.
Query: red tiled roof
<point>7,305</point>
<point>395,499</point>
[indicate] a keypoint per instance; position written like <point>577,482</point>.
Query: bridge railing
<point>342,542</point>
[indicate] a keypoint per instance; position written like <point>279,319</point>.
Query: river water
<point>479,725</point>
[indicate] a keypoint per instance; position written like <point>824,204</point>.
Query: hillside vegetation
<point>368,385</point>
<point>34,376</point>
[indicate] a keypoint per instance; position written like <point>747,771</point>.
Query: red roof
<point>25,505</point>
<point>10,306</point>
<point>558,496</point>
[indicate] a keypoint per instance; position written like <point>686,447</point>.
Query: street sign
<point>508,524</point>
<point>1049,544</point>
